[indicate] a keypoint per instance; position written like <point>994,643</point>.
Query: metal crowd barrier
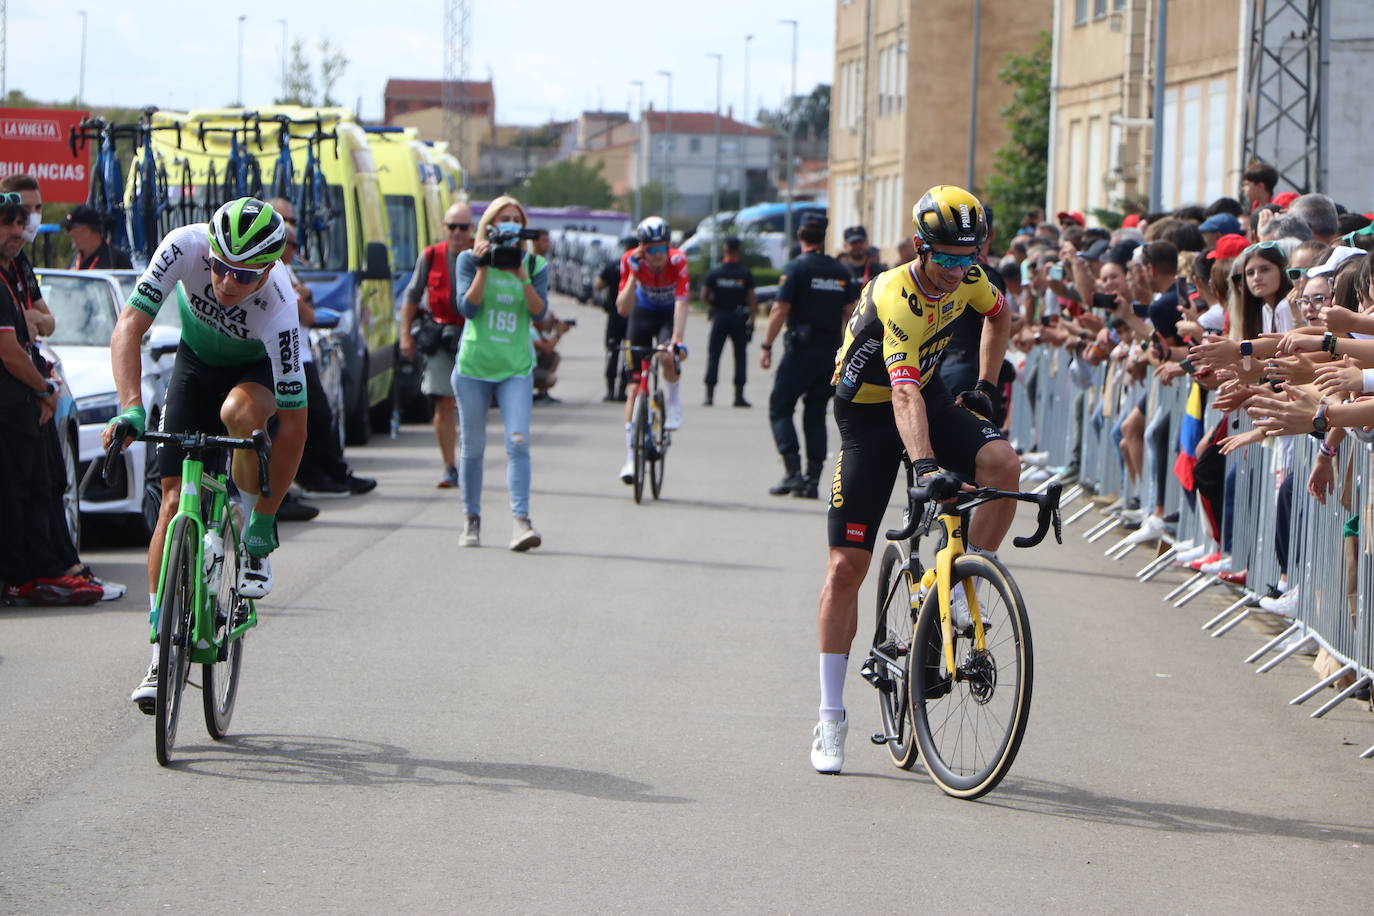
<point>1065,433</point>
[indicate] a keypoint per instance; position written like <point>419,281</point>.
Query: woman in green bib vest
<point>501,289</point>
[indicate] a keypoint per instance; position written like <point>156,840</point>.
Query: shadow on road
<point>318,760</point>
<point>1057,800</point>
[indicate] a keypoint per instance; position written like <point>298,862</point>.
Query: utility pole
<point>791,137</point>
<point>639,154</point>
<point>715,170</point>
<point>972,95</point>
<point>81,79</point>
<point>1157,141</point>
<point>283,58</point>
<point>239,98</point>
<point>744,131</point>
<point>668,135</point>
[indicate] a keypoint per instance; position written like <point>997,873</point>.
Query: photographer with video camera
<point>501,288</point>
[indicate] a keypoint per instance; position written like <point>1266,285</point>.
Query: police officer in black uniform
<point>729,291</point>
<point>606,285</point>
<point>859,257</point>
<point>961,363</point>
<point>817,297</point>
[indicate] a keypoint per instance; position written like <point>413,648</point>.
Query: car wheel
<point>71,496</point>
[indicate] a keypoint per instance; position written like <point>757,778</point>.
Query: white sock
<point>673,390</point>
<point>987,553</point>
<point>630,437</point>
<point>1282,587</point>
<point>152,601</point>
<point>833,666</point>
<point>250,502</point>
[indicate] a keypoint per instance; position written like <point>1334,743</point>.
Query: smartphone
<point>1187,366</point>
<point>1056,272</point>
<point>1104,301</point>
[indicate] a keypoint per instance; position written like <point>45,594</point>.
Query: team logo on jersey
<point>974,274</point>
<point>913,299</point>
<point>151,292</point>
<point>897,332</point>
<point>289,389</point>
<point>288,350</point>
<point>855,532</point>
<point>894,358</point>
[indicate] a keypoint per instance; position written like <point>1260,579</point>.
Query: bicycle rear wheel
<point>969,723</point>
<point>174,634</point>
<point>891,656</point>
<point>641,441</point>
<point>658,437</point>
<point>220,681</point>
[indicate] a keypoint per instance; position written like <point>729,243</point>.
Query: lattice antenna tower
<point>1284,119</point>
<point>457,41</point>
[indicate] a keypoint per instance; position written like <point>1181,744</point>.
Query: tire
<point>641,442</point>
<point>71,494</point>
<point>357,424</point>
<point>174,634</point>
<point>970,729</point>
<point>220,681</point>
<point>892,637</point>
<point>659,440</point>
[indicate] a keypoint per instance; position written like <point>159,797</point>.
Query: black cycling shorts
<point>871,453</point>
<point>194,398</point>
<point>648,327</point>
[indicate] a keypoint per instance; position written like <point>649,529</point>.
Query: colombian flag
<point>1189,435</point>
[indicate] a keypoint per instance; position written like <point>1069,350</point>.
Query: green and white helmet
<point>247,231</point>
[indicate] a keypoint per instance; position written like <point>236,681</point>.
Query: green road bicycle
<point>651,437</point>
<point>953,681</point>
<point>202,619</point>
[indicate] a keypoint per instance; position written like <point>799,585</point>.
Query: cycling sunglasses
<point>656,249</point>
<point>237,274</point>
<point>954,261</point>
<point>464,227</point>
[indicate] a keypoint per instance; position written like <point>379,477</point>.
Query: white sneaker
<point>1285,604</point>
<point>627,473</point>
<point>1184,557</point>
<point>827,746</point>
<point>1217,567</point>
<point>672,416</point>
<point>255,577</point>
<point>1035,475</point>
<point>1151,529</point>
<point>145,694</point>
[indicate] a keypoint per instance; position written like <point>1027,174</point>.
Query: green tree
<point>332,67</point>
<point>1018,181</point>
<point>567,182</point>
<point>300,82</point>
<point>307,85</point>
<point>811,112</point>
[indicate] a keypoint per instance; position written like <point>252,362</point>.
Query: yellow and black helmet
<point>946,215</point>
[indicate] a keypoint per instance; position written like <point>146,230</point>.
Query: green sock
<point>261,538</point>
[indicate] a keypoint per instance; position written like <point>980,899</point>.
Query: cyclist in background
<point>238,364</point>
<point>889,397</point>
<point>653,294</point>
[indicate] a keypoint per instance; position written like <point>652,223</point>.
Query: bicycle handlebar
<point>193,443</point>
<point>919,496</point>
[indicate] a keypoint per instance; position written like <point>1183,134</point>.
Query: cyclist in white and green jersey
<point>238,364</point>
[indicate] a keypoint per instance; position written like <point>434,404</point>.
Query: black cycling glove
<point>940,484</point>
<point>981,399</point>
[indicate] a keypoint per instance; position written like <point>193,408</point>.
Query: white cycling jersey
<point>263,325</point>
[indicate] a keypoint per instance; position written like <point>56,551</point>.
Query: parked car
<point>68,438</point>
<point>86,305</point>
<point>763,224</point>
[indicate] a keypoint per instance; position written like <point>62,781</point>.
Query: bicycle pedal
<point>147,707</point>
<point>879,738</point>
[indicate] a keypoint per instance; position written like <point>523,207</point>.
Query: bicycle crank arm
<point>880,738</point>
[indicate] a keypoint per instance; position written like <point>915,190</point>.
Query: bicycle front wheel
<point>659,440</point>
<point>969,722</point>
<point>221,679</point>
<point>174,633</point>
<point>891,656</point>
<point>641,441</point>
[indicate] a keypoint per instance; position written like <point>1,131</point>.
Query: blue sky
<point>548,58</point>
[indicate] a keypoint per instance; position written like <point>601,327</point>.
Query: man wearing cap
<point>1067,218</point>
<point>1217,225</point>
<point>857,258</point>
<point>86,228</point>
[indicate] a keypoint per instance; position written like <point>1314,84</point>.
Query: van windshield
<point>405,245</point>
<point>323,237</point>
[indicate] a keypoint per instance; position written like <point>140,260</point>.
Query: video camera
<point>505,238</point>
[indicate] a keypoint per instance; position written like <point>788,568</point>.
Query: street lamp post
<point>791,136</point>
<point>668,133</point>
<point>743,132</point>
<point>240,80</point>
<point>81,80</point>
<point>715,169</point>
<point>639,154</point>
<point>283,59</point>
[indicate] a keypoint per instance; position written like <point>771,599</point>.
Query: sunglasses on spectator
<point>1260,246</point>
<point>656,249</point>
<point>11,197</point>
<point>237,274</point>
<point>458,227</point>
<point>1295,273</point>
<point>954,261</point>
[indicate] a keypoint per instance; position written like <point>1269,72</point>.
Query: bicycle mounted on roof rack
<point>149,200</point>
<point>107,182</point>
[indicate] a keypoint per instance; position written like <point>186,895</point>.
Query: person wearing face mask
<point>36,312</point>
<point>888,399</point>
<point>90,249</point>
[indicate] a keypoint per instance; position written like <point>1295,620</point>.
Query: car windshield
<point>83,307</point>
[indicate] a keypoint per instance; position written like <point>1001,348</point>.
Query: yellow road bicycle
<point>951,656</point>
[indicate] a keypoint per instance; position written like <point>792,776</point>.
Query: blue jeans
<point>514,396</point>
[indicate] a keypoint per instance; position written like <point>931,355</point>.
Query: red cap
<point>1228,246</point>
<point>1284,199</point>
<point>1131,221</point>
<point>1072,215</point>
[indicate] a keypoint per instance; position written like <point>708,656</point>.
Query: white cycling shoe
<point>672,416</point>
<point>145,694</point>
<point>627,473</point>
<point>827,745</point>
<point>255,577</point>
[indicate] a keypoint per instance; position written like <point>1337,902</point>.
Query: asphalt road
<point>619,721</point>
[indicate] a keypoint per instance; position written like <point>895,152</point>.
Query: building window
<point>1099,8</point>
<point>1080,12</point>
<point>1190,168</point>
<point>1096,174</point>
<point>1216,140</point>
<point>694,145</point>
<point>1168,169</point>
<point>1073,198</point>
<point>901,73</point>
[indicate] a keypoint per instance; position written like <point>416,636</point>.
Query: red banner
<point>34,141</point>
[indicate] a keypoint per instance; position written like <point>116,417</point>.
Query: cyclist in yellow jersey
<point>889,398</point>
